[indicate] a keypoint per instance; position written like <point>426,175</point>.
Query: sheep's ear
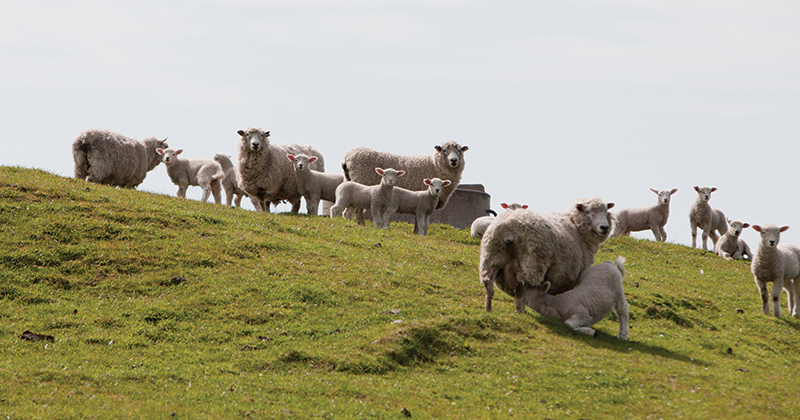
<point>546,286</point>
<point>379,170</point>
<point>713,189</point>
<point>757,228</point>
<point>696,188</point>
<point>746,225</point>
<point>179,151</point>
<point>728,219</point>
<point>312,159</point>
<point>427,181</point>
<point>525,206</point>
<point>266,134</point>
<point>438,148</point>
<point>504,205</point>
<point>446,183</point>
<point>290,157</point>
<point>610,206</point>
<point>579,206</point>
<point>784,228</point>
<point>240,132</point>
<point>674,190</point>
<point>464,149</point>
<point>654,190</point>
<point>160,151</point>
<point>401,173</point>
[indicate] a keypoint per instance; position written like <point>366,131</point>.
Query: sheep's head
<point>451,153</point>
<point>704,193</point>
<point>169,156</point>
<point>737,226</point>
<point>301,161</point>
<point>592,216</point>
<point>254,138</point>
<point>770,234</point>
<point>389,176</point>
<point>664,195</point>
<point>435,185</point>
<point>536,293</point>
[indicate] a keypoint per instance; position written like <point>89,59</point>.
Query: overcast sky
<point>555,99</point>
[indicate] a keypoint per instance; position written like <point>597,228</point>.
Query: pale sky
<point>556,99</point>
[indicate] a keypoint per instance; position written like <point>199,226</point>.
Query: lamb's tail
<point>79,155</point>
<point>621,265</point>
<point>346,171</point>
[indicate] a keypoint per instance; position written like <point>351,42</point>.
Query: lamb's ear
<point>610,206</point>
<point>654,190</point>
<point>401,173</point>
<point>266,134</point>
<point>525,206</point>
<point>784,228</point>
<point>446,182</point>
<point>427,181</point>
<point>379,170</point>
<point>160,151</point>
<point>179,151</point>
<point>546,286</point>
<point>240,132</point>
<point>504,205</point>
<point>757,228</point>
<point>713,189</point>
<point>696,188</point>
<point>290,157</point>
<point>464,149</point>
<point>674,190</point>
<point>746,225</point>
<point>312,159</point>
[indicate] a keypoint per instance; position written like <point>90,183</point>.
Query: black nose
<point>604,229</point>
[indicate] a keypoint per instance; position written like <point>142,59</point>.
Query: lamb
<point>642,218</point>
<point>730,246</point>
<point>314,185</point>
<point>702,216</point>
<point>376,198</point>
<point>599,291</point>
<point>523,249</point>
<point>230,183</point>
<point>421,204</point>
<point>264,172</point>
<point>479,225</point>
<point>106,157</point>
<point>204,173</point>
<point>779,264</point>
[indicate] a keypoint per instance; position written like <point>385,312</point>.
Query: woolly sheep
<point>230,183</point>
<point>479,225</point>
<point>106,157</point>
<point>264,172</point>
<point>312,185</point>
<point>702,216</point>
<point>642,218</point>
<point>523,249</point>
<point>376,198</point>
<point>421,204</point>
<point>204,173</point>
<point>779,264</point>
<point>599,291</point>
<point>730,246</point>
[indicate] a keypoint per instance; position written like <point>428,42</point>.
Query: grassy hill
<point>162,306</point>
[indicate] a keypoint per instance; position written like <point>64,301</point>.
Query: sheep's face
<point>452,153</point>
<point>435,185</point>
<point>737,226</point>
<point>301,161</point>
<point>704,193</point>
<point>664,195</point>
<point>595,212</point>
<point>770,234</point>
<point>389,176</point>
<point>169,156</point>
<point>254,138</point>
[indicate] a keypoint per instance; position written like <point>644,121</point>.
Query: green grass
<point>162,306</point>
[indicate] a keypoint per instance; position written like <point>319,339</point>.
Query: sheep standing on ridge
<point>230,183</point>
<point>376,198</point>
<point>642,218</point>
<point>421,204</point>
<point>110,158</point>
<point>599,291</point>
<point>479,225</point>
<point>779,264</point>
<point>312,185</point>
<point>204,173</point>
<point>702,216</point>
<point>730,246</point>
<point>523,249</point>
<point>264,172</point>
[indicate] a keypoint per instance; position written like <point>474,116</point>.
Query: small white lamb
<point>204,173</point>
<point>637,219</point>
<point>312,185</point>
<point>376,198</point>
<point>702,216</point>
<point>599,291</point>
<point>779,264</point>
<point>730,246</point>
<point>230,183</point>
<point>421,204</point>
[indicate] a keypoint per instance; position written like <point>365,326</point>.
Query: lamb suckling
<point>205,173</point>
<point>642,218</point>
<point>709,220</point>
<point>599,291</point>
<point>479,225</point>
<point>110,158</point>
<point>230,183</point>
<point>312,185</point>
<point>523,249</point>
<point>779,264</point>
<point>421,204</point>
<point>730,245</point>
<point>376,198</point>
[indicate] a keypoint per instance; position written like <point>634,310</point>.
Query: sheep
<point>523,249</point>
<point>479,225</point>
<point>730,246</point>
<point>376,198</point>
<point>779,264</point>
<point>599,291</point>
<point>421,204</point>
<point>230,183</point>
<point>702,216</point>
<point>264,172</point>
<point>106,157</point>
<point>314,185</point>
<point>205,173</point>
<point>642,218</point>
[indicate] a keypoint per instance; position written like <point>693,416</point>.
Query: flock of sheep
<point>544,261</point>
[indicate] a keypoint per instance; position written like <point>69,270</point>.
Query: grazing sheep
<point>376,198</point>
<point>204,173</point>
<point>779,264</point>
<point>230,183</point>
<point>110,158</point>
<point>523,249</point>
<point>730,246</point>
<point>479,225</point>
<point>312,185</point>
<point>421,204</point>
<point>265,174</point>
<point>599,291</point>
<point>702,216</point>
<point>642,218</point>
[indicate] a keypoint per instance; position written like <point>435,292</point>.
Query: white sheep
<point>730,246</point>
<point>702,216</point>
<point>523,249</point>
<point>779,264</point>
<point>479,225</point>
<point>312,185</point>
<point>376,198</point>
<point>205,173</point>
<point>110,158</point>
<point>264,172</point>
<point>230,183</point>
<point>421,204</point>
<point>637,219</point>
<point>599,291</point>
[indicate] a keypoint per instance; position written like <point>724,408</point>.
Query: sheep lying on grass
<point>479,225</point>
<point>204,173</point>
<point>312,185</point>
<point>702,216</point>
<point>642,218</point>
<point>523,249</point>
<point>421,204</point>
<point>599,291</point>
<point>779,264</point>
<point>730,246</point>
<point>110,158</point>
<point>230,183</point>
<point>376,198</point>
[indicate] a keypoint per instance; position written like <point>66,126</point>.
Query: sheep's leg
<point>705,240</point>
<point>762,289</point>
<point>296,206</point>
<point>519,297</point>
<point>694,235</point>
<point>312,206</point>
<point>216,191</point>
<point>622,315</point>
<point>182,190</point>
<point>777,287</point>
<point>579,321</point>
<point>488,287</point>
<point>714,238</point>
<point>206,193</point>
<point>237,200</point>
<point>663,234</point>
<point>791,291</point>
